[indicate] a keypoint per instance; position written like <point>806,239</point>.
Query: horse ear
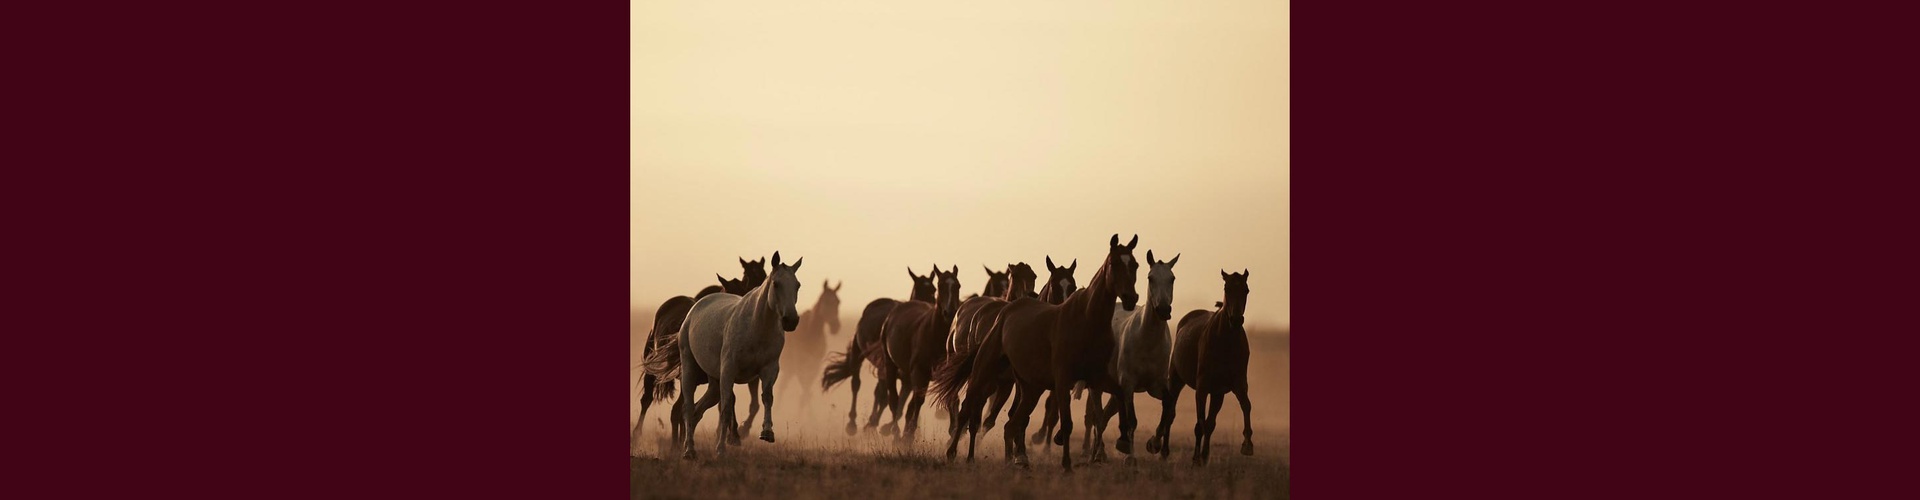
<point>1244,274</point>
<point>796,263</point>
<point>910,272</point>
<point>743,261</point>
<point>1075,266</point>
<point>956,269</point>
<point>989,270</point>
<point>1115,241</point>
<point>836,288</point>
<point>1176,260</point>
<point>723,279</point>
<point>776,259</point>
<point>1223,274</point>
<point>1134,242</point>
<point>1049,263</point>
<point>1149,256</point>
<point>826,285</point>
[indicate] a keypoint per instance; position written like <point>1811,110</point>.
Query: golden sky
<point>872,136</point>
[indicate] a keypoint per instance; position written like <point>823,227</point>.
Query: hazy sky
<point>870,136</point>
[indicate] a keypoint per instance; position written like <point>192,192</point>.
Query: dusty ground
<point>814,458</point>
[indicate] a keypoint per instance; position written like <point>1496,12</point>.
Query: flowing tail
<point>663,362</point>
<point>952,374</point>
<point>841,365</point>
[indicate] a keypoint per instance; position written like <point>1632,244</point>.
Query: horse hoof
<point>1021,462</point>
<point>1060,439</point>
<point>889,430</point>
<point>951,454</point>
<point>1246,448</point>
<point>1153,445</point>
<point>1124,445</point>
<point>852,429</point>
<point>1039,437</point>
<point>766,436</point>
<point>987,426</point>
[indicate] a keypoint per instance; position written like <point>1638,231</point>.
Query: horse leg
<point>1246,425</point>
<point>1061,403</point>
<point>1046,423</point>
<point>1129,421</point>
<point>1017,418</point>
<point>853,412</point>
<point>694,409</point>
<point>1000,396</point>
<point>1163,433</point>
<point>646,401</point>
<point>879,403</point>
<point>1118,404</point>
<point>918,388</point>
<point>729,421</point>
<point>1213,419</point>
<point>1094,443</point>
<point>770,375</point>
<point>753,406</point>
<point>679,417</point>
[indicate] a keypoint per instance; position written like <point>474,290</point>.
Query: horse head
<point>996,283</point>
<point>1060,281</point>
<point>1121,270</point>
<point>785,292</point>
<point>754,272</point>
<point>947,292</point>
<point>1020,279</point>
<point>1235,307</point>
<point>828,307</point>
<point>922,285</point>
<point>1160,286</point>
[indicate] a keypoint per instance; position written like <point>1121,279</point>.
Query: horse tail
<point>951,374</point>
<point>842,365</point>
<point>663,360</point>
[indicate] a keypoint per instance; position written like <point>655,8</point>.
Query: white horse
<point>1143,349</point>
<point>729,339</point>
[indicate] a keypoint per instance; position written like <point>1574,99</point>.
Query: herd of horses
<point>1007,344</point>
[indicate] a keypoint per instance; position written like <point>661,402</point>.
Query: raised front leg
<point>1212,420</point>
<point>770,375</point>
<point>753,405</point>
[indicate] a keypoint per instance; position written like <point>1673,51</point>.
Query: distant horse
<point>1052,347</point>
<point>869,345</point>
<point>728,339</point>
<point>1139,362</point>
<point>1210,355</point>
<point>916,338</point>
<point>666,326</point>
<point>807,346</point>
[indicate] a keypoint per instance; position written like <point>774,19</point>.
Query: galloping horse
<point>666,327</point>
<point>916,338</point>
<point>970,327</point>
<point>868,344</point>
<point>728,339</point>
<point>1060,284</point>
<point>1049,347</point>
<point>1210,354</point>
<point>807,346</point>
<point>1139,362</point>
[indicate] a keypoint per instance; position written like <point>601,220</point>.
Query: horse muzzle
<point>1163,312</point>
<point>1128,301</point>
<point>1240,321</point>
<point>789,323</point>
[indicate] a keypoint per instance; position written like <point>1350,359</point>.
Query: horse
<point>1143,345</point>
<point>666,326</point>
<point>971,322</point>
<point>807,346</point>
<point>1049,346</point>
<point>1210,354</point>
<point>1060,284</point>
<point>868,344</point>
<point>916,339</point>
<point>729,339</point>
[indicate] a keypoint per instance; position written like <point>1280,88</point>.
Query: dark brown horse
<point>1060,284</point>
<point>916,337</point>
<point>869,344</point>
<point>1049,347</point>
<point>666,325</point>
<point>1210,354</point>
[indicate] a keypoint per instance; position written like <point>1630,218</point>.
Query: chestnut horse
<point>666,326</point>
<point>868,344</point>
<point>970,328</point>
<point>1210,355</point>
<point>916,339</point>
<point>1049,347</point>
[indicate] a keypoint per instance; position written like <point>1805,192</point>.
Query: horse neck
<point>757,304</point>
<point>1098,295</point>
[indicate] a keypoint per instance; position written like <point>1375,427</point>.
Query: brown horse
<point>869,344</point>
<point>666,326</point>
<point>1060,284</point>
<point>1049,347</point>
<point>806,347</point>
<point>1210,354</point>
<point>970,328</point>
<point>916,338</point>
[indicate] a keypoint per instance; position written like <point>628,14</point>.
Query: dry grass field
<point>814,458</point>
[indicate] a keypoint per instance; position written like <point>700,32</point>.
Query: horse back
<point>1026,333</point>
<point>1186,345</point>
<point>868,335</point>
<point>903,331</point>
